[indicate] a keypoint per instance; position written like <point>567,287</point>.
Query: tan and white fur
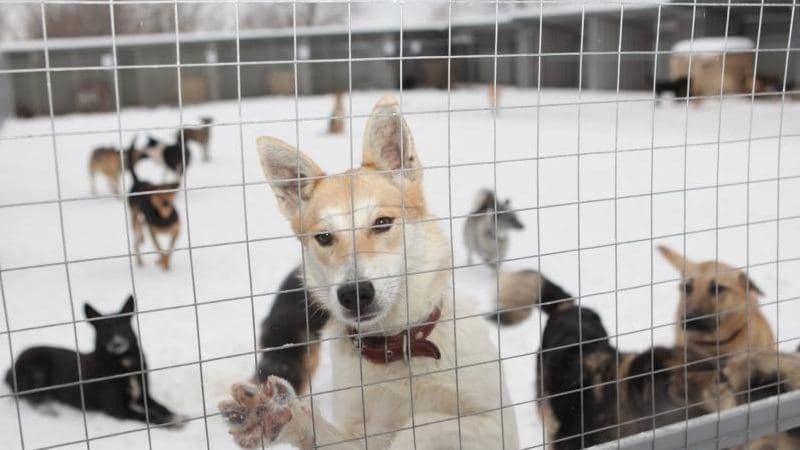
<point>108,161</point>
<point>372,223</point>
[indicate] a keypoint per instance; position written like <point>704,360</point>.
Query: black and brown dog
<point>112,379</point>
<point>175,157</point>
<point>295,319</point>
<point>152,206</point>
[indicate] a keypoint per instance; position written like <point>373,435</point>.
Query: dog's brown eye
<point>714,288</point>
<point>687,286</point>
<point>382,224</point>
<point>324,239</point>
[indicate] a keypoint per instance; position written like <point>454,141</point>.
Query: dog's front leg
<point>272,413</point>
<point>161,415</point>
<point>163,257</point>
<point>138,235</point>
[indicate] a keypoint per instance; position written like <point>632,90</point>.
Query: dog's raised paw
<point>258,414</point>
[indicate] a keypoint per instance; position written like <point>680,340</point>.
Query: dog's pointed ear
<point>90,312</point>
<point>388,144</point>
<point>291,174</point>
<point>132,145</point>
<point>129,306</point>
<point>514,221</point>
<point>749,285</point>
<point>676,260</point>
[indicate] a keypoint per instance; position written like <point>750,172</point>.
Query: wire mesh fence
<point>616,130</point>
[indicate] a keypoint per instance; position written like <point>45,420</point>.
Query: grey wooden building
<point>330,58</point>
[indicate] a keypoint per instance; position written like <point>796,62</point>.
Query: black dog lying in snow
<point>121,386</point>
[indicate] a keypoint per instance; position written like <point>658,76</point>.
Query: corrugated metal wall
<point>6,101</point>
<point>267,67</point>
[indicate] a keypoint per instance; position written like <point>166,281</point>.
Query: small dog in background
<point>200,135</point>
<point>487,228</point>
<point>718,312</point>
<point>175,157</point>
<point>116,353</point>
<point>108,161</point>
<point>155,211</point>
<point>679,88</point>
<point>336,123</point>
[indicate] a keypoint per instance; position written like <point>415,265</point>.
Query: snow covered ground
<point>234,243</point>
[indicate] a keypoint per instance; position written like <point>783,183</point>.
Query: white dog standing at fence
<point>379,262</point>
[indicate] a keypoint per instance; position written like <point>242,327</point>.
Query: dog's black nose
<point>700,321</point>
<point>356,297</point>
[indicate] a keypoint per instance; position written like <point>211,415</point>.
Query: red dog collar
<point>386,349</point>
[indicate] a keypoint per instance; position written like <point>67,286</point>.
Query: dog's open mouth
<point>364,317</point>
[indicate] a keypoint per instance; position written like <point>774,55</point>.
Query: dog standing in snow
<point>200,135</point>
<point>487,228</point>
<point>379,263</point>
<point>108,161</point>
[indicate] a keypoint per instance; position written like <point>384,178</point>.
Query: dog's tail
<point>521,291</point>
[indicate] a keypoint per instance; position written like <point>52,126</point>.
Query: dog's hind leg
<point>113,184</point>
<point>92,182</point>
